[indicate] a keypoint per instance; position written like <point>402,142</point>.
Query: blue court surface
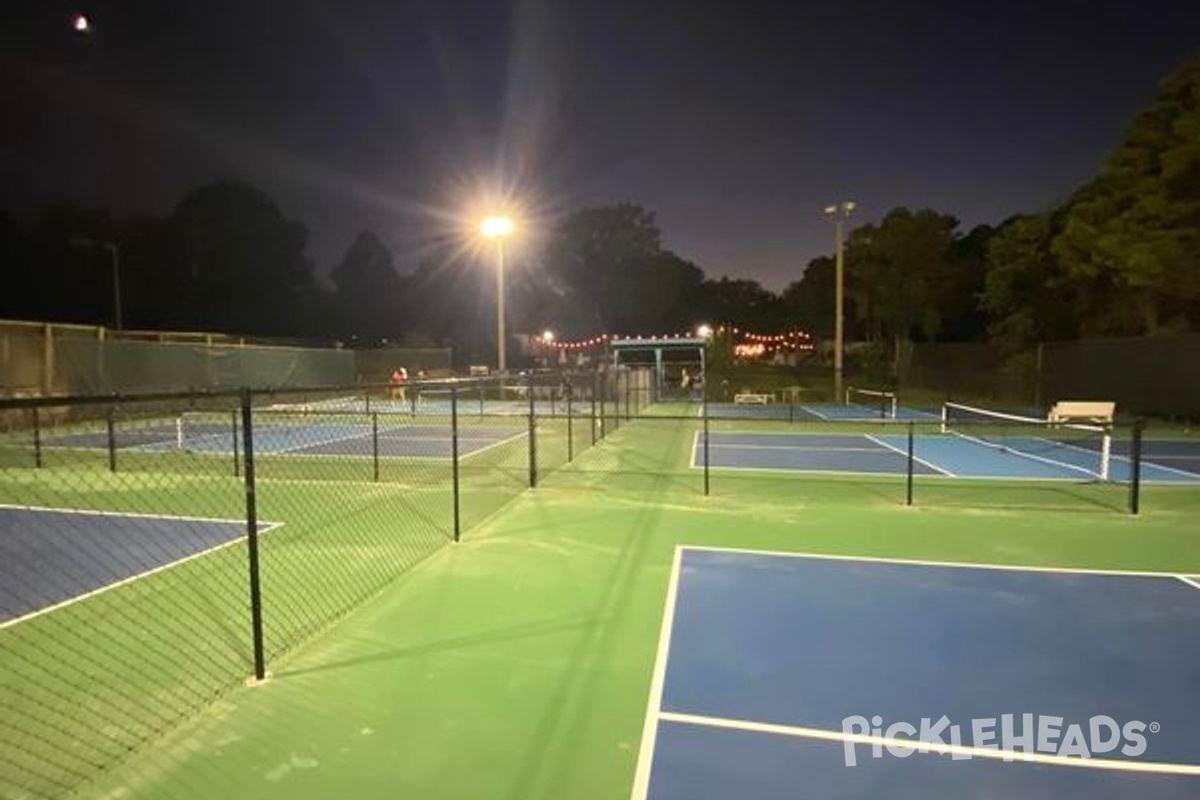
<point>1020,457</point>
<point>794,676</point>
<point>351,437</point>
<point>49,556</point>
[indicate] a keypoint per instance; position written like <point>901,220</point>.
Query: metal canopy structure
<point>658,346</point>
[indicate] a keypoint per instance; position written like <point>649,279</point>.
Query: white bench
<point>742,398</point>
<point>1082,411</point>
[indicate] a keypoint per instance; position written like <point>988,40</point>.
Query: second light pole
<point>497,228</point>
<point>839,213</point>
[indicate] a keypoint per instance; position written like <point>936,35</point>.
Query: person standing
<point>399,379</point>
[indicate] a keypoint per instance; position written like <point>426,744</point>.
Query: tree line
<point>1120,256</point>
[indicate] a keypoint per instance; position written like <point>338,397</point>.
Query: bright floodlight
<point>704,331</point>
<point>81,24</point>
<point>493,227</point>
<point>547,336</point>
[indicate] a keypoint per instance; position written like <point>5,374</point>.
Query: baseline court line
<point>924,563</point>
<point>916,745</point>
<point>894,449</point>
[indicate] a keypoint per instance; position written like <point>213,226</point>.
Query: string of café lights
<point>793,340</point>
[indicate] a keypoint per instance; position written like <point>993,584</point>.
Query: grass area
<point>516,664</point>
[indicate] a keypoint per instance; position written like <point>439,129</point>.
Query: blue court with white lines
<point>783,675</point>
<point>51,556</point>
<point>886,453</point>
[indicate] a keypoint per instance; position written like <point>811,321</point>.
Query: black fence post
<point>252,538</point>
<point>532,437</point>
<point>909,500</point>
<point>1135,465</point>
<point>480,386</point>
<point>570,430</point>
<point>454,460</point>
<point>627,377</point>
<point>112,441</point>
<point>375,443</point>
<point>234,438</point>
<point>593,417</point>
<point>37,438</point>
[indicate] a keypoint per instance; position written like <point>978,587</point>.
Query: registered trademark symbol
<point>1155,727</point>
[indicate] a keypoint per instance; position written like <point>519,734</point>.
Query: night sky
<point>737,122</point>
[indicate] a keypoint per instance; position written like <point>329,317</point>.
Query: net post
<point>111,428</point>
<point>883,406</point>
<point>1135,465</point>
<point>909,460</point>
<point>479,386</point>
<point>375,444</point>
<point>37,438</point>
<point>945,418</point>
<point>454,460</point>
<point>532,436</point>
<point>1105,452</point>
<point>233,434</point>
<point>256,624</point>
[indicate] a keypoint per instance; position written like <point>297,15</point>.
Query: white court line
<point>914,562</point>
<point>1189,581</point>
<point>933,467</point>
<point>1012,451</point>
<point>822,734</point>
<point>641,778</point>
<point>655,713</point>
<point>94,512</point>
<point>496,443</point>
<point>941,473</point>
<point>800,447</point>
<point>263,528</point>
<point>813,411</point>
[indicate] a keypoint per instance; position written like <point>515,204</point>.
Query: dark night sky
<point>736,122</point>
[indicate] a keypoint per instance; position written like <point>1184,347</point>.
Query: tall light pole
<point>497,228</point>
<point>839,213</point>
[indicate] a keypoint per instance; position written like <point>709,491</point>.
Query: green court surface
<point>517,663</point>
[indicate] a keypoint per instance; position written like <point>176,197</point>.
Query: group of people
<point>399,381</point>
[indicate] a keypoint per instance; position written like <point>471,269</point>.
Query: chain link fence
<point>159,550</point>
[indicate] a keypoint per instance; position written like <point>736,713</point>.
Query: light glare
<point>493,227</point>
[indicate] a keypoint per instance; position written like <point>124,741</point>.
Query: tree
<point>809,301</point>
<point>369,291</point>
<point>612,274</point>
<point>744,304</point>
<point>1133,233</point>
<point>897,273</point>
<point>240,263</point>
<point>963,318</point>
<point>1027,295</point>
